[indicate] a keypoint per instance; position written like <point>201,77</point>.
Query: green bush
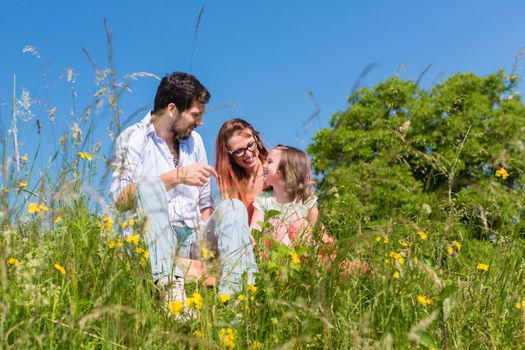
<point>454,154</point>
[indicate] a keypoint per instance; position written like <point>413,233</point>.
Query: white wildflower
<point>32,50</point>
<point>136,75</point>
<point>23,106</point>
<point>71,75</point>
<point>52,112</point>
<point>76,133</point>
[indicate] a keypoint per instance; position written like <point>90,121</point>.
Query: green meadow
<point>422,189</point>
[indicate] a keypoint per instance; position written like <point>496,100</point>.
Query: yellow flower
<point>24,158</point>
<point>252,288</point>
<point>194,301</point>
<point>423,235</point>
<point>108,223</point>
<point>120,244</point>
<point>130,223</point>
<point>227,337</point>
<point>521,304</point>
<point>482,266</point>
<point>502,172</point>
<point>255,345</point>
<point>382,238</point>
<point>450,250</point>
<point>424,300</point>
<point>133,239</point>
<point>406,244</point>
<point>197,334</point>
<point>241,297</point>
<point>112,244</point>
<point>396,275</point>
<point>176,307</point>
<point>143,252</point>
<point>206,254</point>
<point>224,297</point>
<point>399,258</point>
<point>37,208</point>
<point>32,208</point>
<point>58,219</point>
<point>457,244</point>
<point>295,258</point>
<point>60,268</point>
<point>84,155</point>
<point>13,261</point>
<point>22,184</point>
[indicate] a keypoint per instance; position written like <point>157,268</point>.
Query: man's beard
<point>181,136</point>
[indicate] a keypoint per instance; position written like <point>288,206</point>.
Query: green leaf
<point>271,213</point>
<point>446,292</point>
<point>426,340</point>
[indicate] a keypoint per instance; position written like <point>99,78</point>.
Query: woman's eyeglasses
<point>252,146</point>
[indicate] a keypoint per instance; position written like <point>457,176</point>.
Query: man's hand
<point>197,174</point>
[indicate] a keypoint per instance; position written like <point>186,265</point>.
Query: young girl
<point>289,190</point>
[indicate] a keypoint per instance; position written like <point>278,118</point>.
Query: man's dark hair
<point>179,88</point>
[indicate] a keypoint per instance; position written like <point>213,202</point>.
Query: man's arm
<point>126,200</point>
<point>193,175</point>
<point>126,164</point>
<point>206,213</point>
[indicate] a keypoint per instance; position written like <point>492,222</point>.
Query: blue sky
<point>259,59</point>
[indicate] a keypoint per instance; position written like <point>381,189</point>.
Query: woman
<point>239,156</point>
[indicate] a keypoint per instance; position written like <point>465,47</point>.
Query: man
<point>161,165</point>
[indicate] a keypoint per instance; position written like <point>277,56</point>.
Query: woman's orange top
<point>250,208</point>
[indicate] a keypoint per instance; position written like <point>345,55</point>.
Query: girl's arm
<point>313,213</point>
<point>257,216</point>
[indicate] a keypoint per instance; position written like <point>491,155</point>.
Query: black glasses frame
<point>238,153</point>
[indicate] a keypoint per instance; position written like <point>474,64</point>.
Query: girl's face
<point>271,173</point>
<point>243,149</point>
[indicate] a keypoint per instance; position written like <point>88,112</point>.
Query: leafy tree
<point>453,156</point>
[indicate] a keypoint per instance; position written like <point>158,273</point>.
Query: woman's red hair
<point>233,180</point>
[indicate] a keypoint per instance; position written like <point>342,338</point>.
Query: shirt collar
<point>150,129</point>
<point>148,125</point>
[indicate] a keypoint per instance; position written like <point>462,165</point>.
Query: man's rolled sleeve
<point>128,162</point>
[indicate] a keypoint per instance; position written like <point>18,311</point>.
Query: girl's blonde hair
<point>295,167</point>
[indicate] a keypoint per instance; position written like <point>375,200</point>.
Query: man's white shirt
<point>141,155</point>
